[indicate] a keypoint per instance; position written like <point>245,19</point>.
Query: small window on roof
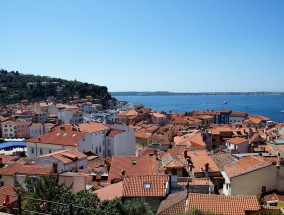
<point>74,135</point>
<point>147,185</point>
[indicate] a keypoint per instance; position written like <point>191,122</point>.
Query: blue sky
<point>168,45</point>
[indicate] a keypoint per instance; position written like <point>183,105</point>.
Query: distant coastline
<point>166,93</point>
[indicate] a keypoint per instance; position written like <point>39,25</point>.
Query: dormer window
<point>147,185</point>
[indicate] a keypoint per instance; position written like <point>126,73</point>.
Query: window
<point>33,151</point>
<point>49,151</point>
<point>108,142</point>
<point>40,151</point>
<point>109,153</point>
<point>83,138</point>
<point>263,189</point>
<point>147,185</point>
<point>100,149</point>
<point>96,150</point>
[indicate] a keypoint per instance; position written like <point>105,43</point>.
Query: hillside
<point>15,86</point>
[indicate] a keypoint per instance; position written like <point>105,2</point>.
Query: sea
<point>265,105</point>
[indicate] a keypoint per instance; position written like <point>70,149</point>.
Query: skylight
<point>147,185</point>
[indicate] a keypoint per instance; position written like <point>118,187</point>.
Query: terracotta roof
<point>200,181</point>
<point>134,166</point>
<point>222,158</point>
<point>113,132</point>
<point>7,158</point>
<point>24,168</point>
<point>92,127</point>
<point>238,113</point>
<point>173,161</point>
<point>194,139</point>
<point>67,138</point>
<point>199,158</point>
<point>177,150</point>
<point>128,113</point>
<point>142,134</point>
<point>173,204</point>
<point>254,138</point>
<point>7,190</point>
<point>9,123</point>
<point>274,197</point>
<point>145,186</point>
<point>109,192</point>
<point>66,156</point>
<point>159,115</point>
<point>245,165</point>
<point>237,140</point>
<point>226,205</point>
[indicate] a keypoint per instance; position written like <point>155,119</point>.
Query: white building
<point>252,175</point>
<point>236,117</point>
<point>38,129</point>
<point>70,116</point>
<point>120,141</point>
<point>100,139</point>
<point>238,145</point>
<point>98,132</point>
<point>58,140</point>
<point>66,160</point>
<point>9,129</point>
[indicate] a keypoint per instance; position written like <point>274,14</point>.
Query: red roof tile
<point>132,165</point>
<point>237,140</point>
<point>173,204</point>
<point>7,190</point>
<point>24,168</point>
<point>274,197</point>
<point>113,132</point>
<point>66,156</point>
<point>226,205</point>
<point>68,138</point>
<point>110,192</point>
<point>144,186</point>
<point>199,158</point>
<point>245,165</point>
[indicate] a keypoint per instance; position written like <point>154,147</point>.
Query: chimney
<point>1,162</point>
<point>206,169</point>
<point>156,154</point>
<point>185,154</point>
<point>191,167</point>
<point>123,173</point>
<point>189,160</point>
<point>7,200</point>
<point>74,169</point>
<point>55,168</point>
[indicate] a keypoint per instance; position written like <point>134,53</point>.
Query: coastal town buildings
<point>175,161</point>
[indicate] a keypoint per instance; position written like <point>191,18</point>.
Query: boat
<point>225,102</point>
<point>282,111</point>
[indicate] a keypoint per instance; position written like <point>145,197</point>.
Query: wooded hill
<point>15,87</point>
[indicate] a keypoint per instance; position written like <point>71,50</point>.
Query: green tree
<point>47,187</point>
<point>136,206</point>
